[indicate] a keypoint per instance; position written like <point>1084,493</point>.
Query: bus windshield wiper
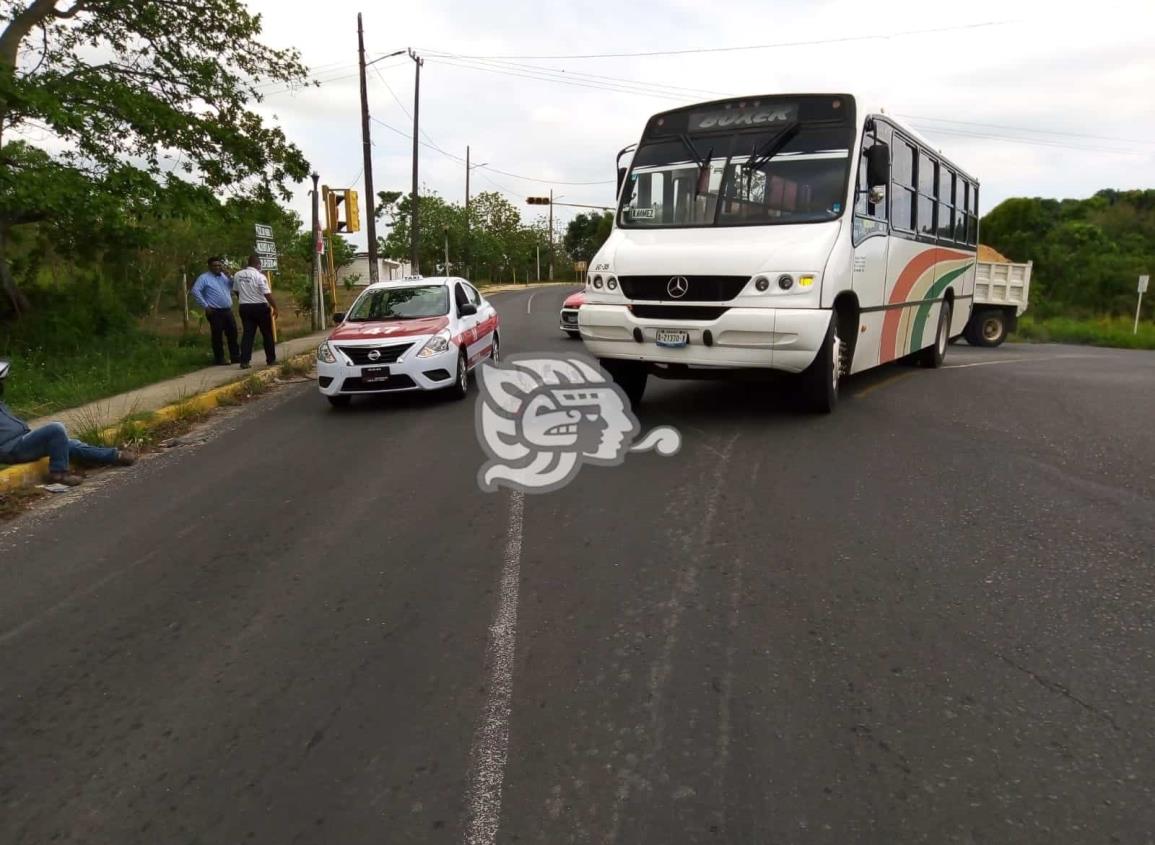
<point>703,163</point>
<point>773,146</point>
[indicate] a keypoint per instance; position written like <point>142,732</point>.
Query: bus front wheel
<point>630,376</point>
<point>820,379</point>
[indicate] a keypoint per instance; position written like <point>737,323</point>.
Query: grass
<point>1091,331</point>
<point>45,381</point>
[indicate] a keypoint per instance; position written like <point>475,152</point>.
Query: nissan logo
<point>374,355</point>
<point>677,287</point>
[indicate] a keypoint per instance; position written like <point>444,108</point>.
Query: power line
<point>1032,142</point>
<point>474,65</point>
<point>1029,129</point>
<point>461,160</point>
<point>778,45</point>
<point>563,73</point>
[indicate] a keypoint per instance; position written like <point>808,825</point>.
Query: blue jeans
<point>52,440</point>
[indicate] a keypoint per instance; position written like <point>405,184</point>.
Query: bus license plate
<point>669,337</point>
<point>374,375</point>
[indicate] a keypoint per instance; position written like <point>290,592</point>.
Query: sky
<point>1031,99</point>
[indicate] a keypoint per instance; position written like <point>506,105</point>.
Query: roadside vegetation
<point>1088,257</point>
<point>1091,331</point>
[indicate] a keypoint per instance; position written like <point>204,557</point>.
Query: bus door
<point>871,239</point>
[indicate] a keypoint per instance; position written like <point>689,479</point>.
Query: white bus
<point>787,232</point>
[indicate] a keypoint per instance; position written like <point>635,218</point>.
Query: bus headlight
<point>761,284</point>
<point>785,281</point>
<point>598,282</point>
<point>611,283</point>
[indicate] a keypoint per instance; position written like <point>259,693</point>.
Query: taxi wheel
<point>573,335</point>
<point>460,387</point>
<point>339,401</point>
<point>494,352</point>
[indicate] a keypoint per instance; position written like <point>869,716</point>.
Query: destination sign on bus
<point>743,117</point>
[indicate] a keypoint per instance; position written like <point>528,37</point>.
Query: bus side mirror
<point>621,178</point>
<point>878,166</point>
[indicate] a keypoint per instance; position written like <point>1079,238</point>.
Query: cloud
<point>1037,68</point>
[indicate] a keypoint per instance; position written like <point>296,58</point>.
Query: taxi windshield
<point>400,303</point>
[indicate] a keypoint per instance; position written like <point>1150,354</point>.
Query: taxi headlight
<point>325,353</point>
<point>435,345</point>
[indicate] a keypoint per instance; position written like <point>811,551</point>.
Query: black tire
<point>990,328</point>
<point>933,355</point>
<point>573,335</point>
<point>339,401</point>
<point>820,379</point>
<point>495,351</point>
<point>630,376</point>
<point>460,387</point>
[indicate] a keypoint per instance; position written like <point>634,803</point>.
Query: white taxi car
<point>415,334</point>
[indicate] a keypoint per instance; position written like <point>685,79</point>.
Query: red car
<point>569,313</point>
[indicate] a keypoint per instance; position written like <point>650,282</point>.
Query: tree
<point>586,233</point>
<point>438,218</point>
<point>124,86</point>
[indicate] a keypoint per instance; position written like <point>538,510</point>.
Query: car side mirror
<point>466,309</point>
<point>878,166</point>
<point>339,317</point>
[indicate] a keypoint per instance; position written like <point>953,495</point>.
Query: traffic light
<point>352,212</point>
<point>334,199</point>
<point>331,199</point>
<point>537,200</point>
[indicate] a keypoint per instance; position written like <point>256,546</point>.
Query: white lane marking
<point>72,599</point>
<point>529,302</point>
<point>491,740</point>
<point>1012,361</point>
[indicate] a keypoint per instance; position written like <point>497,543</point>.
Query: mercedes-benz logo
<point>374,355</point>
<point>677,287</point>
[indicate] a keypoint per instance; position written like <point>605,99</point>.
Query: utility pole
<point>551,234</point>
<point>414,258</point>
<point>468,256</point>
<point>468,234</point>
<point>318,304</point>
<point>446,233</point>
<point>367,153</point>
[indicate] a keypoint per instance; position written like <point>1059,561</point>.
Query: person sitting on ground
<point>20,445</point>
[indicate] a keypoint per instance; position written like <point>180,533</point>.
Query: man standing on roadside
<point>214,291</point>
<point>258,310</point>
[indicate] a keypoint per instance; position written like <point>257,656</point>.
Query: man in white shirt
<point>257,311</point>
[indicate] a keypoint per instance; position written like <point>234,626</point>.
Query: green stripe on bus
<point>934,293</point>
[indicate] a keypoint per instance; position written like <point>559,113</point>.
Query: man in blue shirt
<point>21,445</point>
<point>214,291</point>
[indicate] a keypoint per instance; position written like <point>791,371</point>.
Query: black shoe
<point>272,363</point>
<point>246,366</point>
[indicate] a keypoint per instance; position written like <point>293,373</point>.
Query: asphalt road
<point>925,618</point>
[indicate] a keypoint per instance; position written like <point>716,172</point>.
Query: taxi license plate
<point>670,337</point>
<point>374,375</point>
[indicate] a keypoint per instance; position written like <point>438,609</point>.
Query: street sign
<point>269,262</point>
<point>266,248</point>
<point>581,266</point>
<point>264,232</point>
<point>1143,283</point>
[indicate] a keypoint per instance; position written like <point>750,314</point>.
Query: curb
<point>28,475</point>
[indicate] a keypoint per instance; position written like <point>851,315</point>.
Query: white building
<point>387,269</point>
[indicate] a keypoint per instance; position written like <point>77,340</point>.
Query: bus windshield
<point>794,173</point>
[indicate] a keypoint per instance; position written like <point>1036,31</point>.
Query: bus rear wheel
<point>820,379</point>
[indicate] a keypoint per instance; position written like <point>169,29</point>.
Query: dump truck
<point>1002,288</point>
